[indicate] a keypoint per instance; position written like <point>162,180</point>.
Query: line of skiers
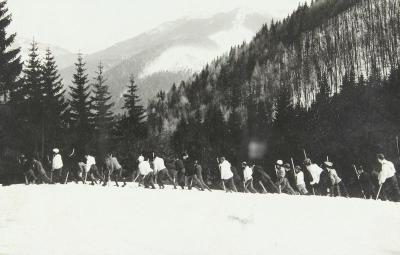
<point>188,172</point>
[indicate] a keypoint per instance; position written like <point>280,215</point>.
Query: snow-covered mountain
<point>171,52</point>
<point>63,57</point>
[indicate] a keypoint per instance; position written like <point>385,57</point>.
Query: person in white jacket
<point>387,178</point>
<point>146,171</point>
<point>57,166</point>
<point>315,172</point>
<point>161,171</point>
<point>300,183</point>
<point>227,175</point>
<point>248,178</point>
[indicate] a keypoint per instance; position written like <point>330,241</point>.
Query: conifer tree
<point>55,105</point>
<point>33,91</point>
<point>132,121</point>
<point>10,61</point>
<point>103,116</point>
<point>81,115</point>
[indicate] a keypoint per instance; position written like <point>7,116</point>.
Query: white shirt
<point>226,172</point>
<point>247,173</point>
<point>388,171</point>
<point>144,168</point>
<point>158,164</point>
<point>90,161</point>
<point>315,172</point>
<point>300,178</point>
<point>57,162</point>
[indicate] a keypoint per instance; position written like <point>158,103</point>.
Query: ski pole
<point>379,191</point>
<point>305,154</point>
<point>294,170</point>
<point>26,180</point>
<point>66,178</point>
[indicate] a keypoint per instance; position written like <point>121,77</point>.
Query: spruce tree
<point>132,121</point>
<point>80,112</point>
<point>103,116</point>
<point>10,61</point>
<point>55,105</point>
<point>33,91</point>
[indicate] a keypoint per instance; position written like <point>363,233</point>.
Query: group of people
<point>188,173</point>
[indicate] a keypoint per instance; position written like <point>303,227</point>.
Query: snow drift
<point>82,219</point>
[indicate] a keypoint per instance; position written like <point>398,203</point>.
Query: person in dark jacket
<point>262,179</point>
<point>26,166</point>
<point>199,174</point>
<point>39,171</point>
<point>181,171</point>
<point>74,170</point>
<point>366,183</point>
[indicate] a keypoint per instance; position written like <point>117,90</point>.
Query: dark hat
<point>287,165</point>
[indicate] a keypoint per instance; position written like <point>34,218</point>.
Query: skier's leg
<point>233,186</point>
<point>166,173</point>
<point>251,187</point>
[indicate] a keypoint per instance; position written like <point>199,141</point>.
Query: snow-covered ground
<point>83,219</point>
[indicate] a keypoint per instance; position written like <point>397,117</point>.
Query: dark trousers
<point>115,175</point>
<point>30,176</point>
<point>181,179</point>
<point>248,187</point>
<point>391,190</point>
<point>193,179</point>
<point>229,185</point>
<point>57,176</point>
<point>148,180</point>
<point>160,175</point>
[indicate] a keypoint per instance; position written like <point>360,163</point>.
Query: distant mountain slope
<point>329,39</point>
<point>175,49</point>
<point>63,57</point>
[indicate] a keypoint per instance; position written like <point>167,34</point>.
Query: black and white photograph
<point>200,127</point>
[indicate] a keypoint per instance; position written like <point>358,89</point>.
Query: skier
<point>39,171</point>
<point>180,174</point>
<point>57,166</point>
<point>283,182</point>
<point>227,175</point>
<point>248,178</point>
<point>161,171</point>
<point>190,173</point>
<point>199,174</point>
<point>315,172</point>
<point>146,171</point>
<point>26,166</point>
<point>91,170</point>
<point>300,184</point>
<point>366,183</point>
<point>113,170</point>
<point>331,182</point>
<point>387,179</point>
<point>74,170</point>
<point>264,180</point>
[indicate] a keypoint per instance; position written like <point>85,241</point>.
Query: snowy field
<point>82,219</point>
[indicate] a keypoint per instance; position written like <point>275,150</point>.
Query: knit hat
<point>287,165</point>
<point>55,150</point>
<point>328,164</point>
<point>279,162</point>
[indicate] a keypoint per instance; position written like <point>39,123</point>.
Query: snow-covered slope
<point>178,47</point>
<point>80,219</point>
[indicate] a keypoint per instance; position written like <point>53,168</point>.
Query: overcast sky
<point>91,25</point>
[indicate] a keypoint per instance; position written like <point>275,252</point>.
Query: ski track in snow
<point>83,219</point>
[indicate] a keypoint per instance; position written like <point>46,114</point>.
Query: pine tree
<point>103,116</point>
<point>81,116</point>
<point>132,121</point>
<point>55,105</point>
<point>10,61</point>
<point>33,91</point>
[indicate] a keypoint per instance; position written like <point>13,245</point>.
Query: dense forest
<point>324,81</point>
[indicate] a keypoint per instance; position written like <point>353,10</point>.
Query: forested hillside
<point>271,91</point>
